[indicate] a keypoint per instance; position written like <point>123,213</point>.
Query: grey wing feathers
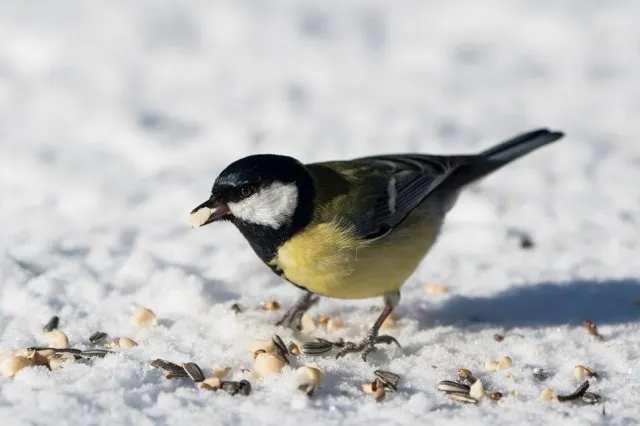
<point>412,177</point>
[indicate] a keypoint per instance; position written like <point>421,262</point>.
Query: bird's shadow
<point>544,304</point>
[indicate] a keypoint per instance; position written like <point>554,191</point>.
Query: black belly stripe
<point>279,272</point>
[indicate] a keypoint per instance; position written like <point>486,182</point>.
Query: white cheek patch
<point>272,206</point>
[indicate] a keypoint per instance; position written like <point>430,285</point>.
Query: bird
<point>350,229</point>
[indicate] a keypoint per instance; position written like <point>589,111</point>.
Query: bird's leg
<point>294,315</point>
<point>368,345</point>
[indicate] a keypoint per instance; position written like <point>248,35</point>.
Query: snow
<point>115,117</point>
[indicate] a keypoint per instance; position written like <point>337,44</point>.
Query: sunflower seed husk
<point>581,371</point>
<point>97,337</point>
<point>237,308</point>
<point>541,374</point>
<point>194,371</point>
<point>450,386</point>
<point>591,398</point>
<point>498,337</point>
<point>576,394</point>
<point>463,397</point>
<point>592,329</point>
<point>174,371</point>
<point>51,325</point>
<point>281,348</point>
<point>389,380</point>
<point>293,349</point>
<point>56,350</point>
<point>99,353</point>
<point>465,377</point>
<point>316,348</point>
<point>243,387</point>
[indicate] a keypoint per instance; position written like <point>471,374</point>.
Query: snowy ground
<point>116,116</point>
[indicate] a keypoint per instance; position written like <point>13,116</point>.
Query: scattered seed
<point>318,347</point>
<point>388,379</point>
<point>465,377</point>
<point>524,239</point>
<point>220,372</point>
<point>243,387</point>
<point>97,337</point>
<point>264,345</point>
<point>576,394</point>
<point>476,391</point>
<point>57,339</point>
<point>335,323</point>
<point>463,397</point>
<point>324,319</point>
<point>237,308</point>
<point>271,306</point>
<point>37,358</point>
<point>56,350</point>
<point>126,343</point>
<point>308,374</point>
<point>591,398</point>
<point>505,362</point>
<point>97,353</point>
<point>13,364</point>
<point>491,365</point>
<point>435,289</point>
<point>211,383</point>
<point>307,389</point>
<point>171,369</point>
<point>60,359</point>
<point>368,387</point>
<point>193,370</point>
<point>541,374</point>
<point>144,317</point>
<point>268,364</point>
<point>51,325</point>
<point>498,337</point>
<point>450,386</point>
<point>548,394</point>
<point>496,396</point>
<point>293,349</point>
<point>281,348</point>
<point>307,324</point>
<point>581,372</point>
<point>379,394</point>
<point>591,329</point>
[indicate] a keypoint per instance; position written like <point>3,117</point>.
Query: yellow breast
<point>327,259</point>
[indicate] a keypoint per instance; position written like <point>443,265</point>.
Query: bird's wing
<point>381,191</point>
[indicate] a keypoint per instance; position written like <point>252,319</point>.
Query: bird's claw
<point>293,318</point>
<point>367,346</point>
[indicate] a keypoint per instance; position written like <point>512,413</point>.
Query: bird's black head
<point>268,197</point>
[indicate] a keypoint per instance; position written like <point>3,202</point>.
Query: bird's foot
<point>367,346</point>
<point>293,317</point>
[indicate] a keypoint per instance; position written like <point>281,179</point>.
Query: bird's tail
<point>494,158</point>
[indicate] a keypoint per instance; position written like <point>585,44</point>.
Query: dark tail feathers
<point>494,158</point>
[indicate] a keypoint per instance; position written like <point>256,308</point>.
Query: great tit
<point>349,229</point>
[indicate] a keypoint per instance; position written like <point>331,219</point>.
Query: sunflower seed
<point>281,348</point>
<point>591,398</point>
<point>51,325</point>
<point>592,329</point>
<point>99,353</point>
<point>576,394</point>
<point>498,337</point>
<point>316,348</point>
<point>496,396</point>
<point>307,389</point>
<point>450,386</point>
<point>97,337</point>
<point>293,349</point>
<point>465,377</point>
<point>389,380</point>
<point>243,387</point>
<point>463,397</point>
<point>237,308</point>
<point>194,371</point>
<point>174,371</point>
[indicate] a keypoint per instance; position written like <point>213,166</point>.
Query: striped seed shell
<point>194,371</point>
<point>450,386</point>
<point>97,337</point>
<point>463,397</point>
<point>389,380</point>
<point>318,347</point>
<point>51,325</point>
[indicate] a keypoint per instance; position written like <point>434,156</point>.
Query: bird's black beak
<point>207,212</point>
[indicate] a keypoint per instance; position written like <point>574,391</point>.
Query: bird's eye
<point>246,191</point>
